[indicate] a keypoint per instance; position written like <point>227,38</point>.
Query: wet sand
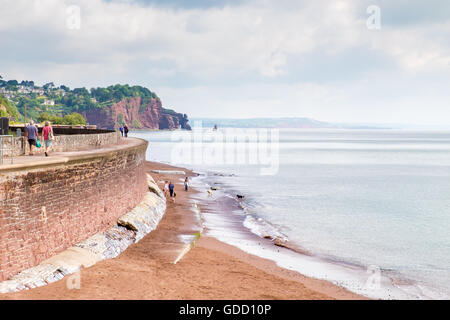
<point>209,270</point>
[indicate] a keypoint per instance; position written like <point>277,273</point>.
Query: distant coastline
<point>308,123</point>
<point>285,122</point>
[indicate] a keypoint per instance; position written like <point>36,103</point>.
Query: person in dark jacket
<point>186,184</point>
<point>125,129</point>
<point>171,188</point>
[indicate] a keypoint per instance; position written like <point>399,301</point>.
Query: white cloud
<point>250,56</point>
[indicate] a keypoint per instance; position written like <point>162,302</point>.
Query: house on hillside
<point>59,92</point>
<point>25,89</point>
<point>8,94</point>
<point>38,91</point>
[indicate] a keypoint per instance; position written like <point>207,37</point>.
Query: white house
<point>60,92</point>
<point>38,91</point>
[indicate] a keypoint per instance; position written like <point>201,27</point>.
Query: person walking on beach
<point>125,129</point>
<point>31,132</point>
<point>47,137</point>
<point>186,184</point>
<point>171,188</point>
<point>166,188</point>
<point>121,130</point>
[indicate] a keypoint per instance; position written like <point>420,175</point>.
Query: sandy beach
<point>209,270</point>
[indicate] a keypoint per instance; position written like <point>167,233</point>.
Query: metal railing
<point>3,150</point>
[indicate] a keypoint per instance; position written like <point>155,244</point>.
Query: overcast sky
<point>243,58</point>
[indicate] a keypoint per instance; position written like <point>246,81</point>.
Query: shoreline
<point>317,286</point>
<point>234,236</point>
<point>160,266</point>
<point>353,277</point>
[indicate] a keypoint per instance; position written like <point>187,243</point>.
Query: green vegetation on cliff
<point>8,109</point>
<point>59,102</point>
<point>62,105</point>
<point>70,119</point>
<point>137,124</point>
<point>116,93</point>
<point>183,118</point>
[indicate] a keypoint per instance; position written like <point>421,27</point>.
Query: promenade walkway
<point>27,161</point>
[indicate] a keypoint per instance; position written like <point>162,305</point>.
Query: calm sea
<point>372,206</point>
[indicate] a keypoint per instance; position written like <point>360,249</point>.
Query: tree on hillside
<point>81,92</point>
<point>44,116</point>
<point>74,119</point>
<point>101,94</point>
<point>11,109</point>
<point>70,119</point>
<point>26,83</point>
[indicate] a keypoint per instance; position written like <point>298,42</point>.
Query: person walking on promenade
<point>47,137</point>
<point>125,128</point>
<point>31,132</point>
<point>121,130</point>
<point>186,184</point>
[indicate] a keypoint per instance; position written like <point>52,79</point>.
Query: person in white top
<point>166,188</point>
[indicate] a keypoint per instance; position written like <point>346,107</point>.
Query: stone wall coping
<point>61,158</point>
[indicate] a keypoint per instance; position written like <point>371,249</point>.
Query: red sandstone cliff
<point>136,114</point>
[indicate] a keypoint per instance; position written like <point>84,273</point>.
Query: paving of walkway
<point>61,157</point>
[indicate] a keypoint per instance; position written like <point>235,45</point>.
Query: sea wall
<point>48,206</point>
<point>63,143</point>
<point>130,228</point>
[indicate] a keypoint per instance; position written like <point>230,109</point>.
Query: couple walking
<point>31,132</point>
<point>124,130</point>
<point>169,188</point>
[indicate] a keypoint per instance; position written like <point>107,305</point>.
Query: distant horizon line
<point>343,123</point>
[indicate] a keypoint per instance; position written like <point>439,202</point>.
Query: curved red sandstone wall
<point>46,209</point>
